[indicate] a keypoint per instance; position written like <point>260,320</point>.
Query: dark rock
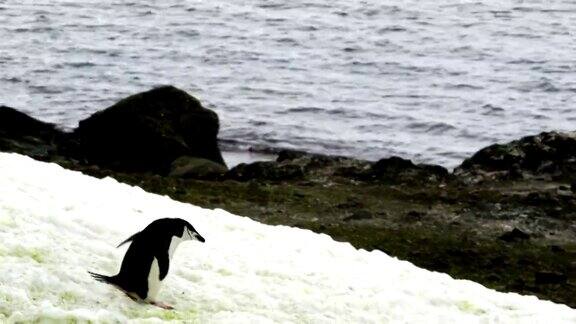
<point>321,161</point>
<point>267,170</point>
<point>148,131</point>
<point>23,134</point>
<point>359,215</point>
<point>396,169</point>
<point>437,171</point>
<point>197,168</point>
<point>514,236</point>
<point>326,164</point>
<point>550,278</point>
<point>296,164</point>
<point>17,124</point>
<point>551,155</point>
<point>290,155</point>
<point>310,159</point>
<point>393,164</point>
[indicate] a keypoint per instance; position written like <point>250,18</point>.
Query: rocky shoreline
<point>504,217</point>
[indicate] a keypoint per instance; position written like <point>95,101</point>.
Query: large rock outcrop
<point>148,131</point>
<point>548,155</point>
<point>23,134</point>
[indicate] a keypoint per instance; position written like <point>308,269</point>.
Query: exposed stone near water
<point>291,165</point>
<point>549,155</point>
<point>148,131</point>
<point>23,134</point>
<point>196,168</point>
<point>268,170</point>
<point>396,169</point>
<point>290,155</point>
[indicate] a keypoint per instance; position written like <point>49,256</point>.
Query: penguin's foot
<point>132,296</point>
<point>161,305</point>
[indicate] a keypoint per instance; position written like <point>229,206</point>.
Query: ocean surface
<point>433,81</point>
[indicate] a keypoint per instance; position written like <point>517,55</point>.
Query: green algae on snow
<point>149,312</point>
<point>468,307</point>
<point>68,297</point>
<point>38,255</point>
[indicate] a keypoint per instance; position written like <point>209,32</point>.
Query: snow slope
<point>56,224</point>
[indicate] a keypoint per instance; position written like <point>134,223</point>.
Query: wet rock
<point>393,163</point>
<point>23,134</point>
<point>290,155</point>
<point>318,165</point>
<point>267,170</point>
<point>549,155</point>
<point>148,131</point>
<point>515,235</point>
<point>396,169</point>
<point>196,168</point>
<point>550,278</point>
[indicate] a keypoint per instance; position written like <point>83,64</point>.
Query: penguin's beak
<point>194,235</point>
<point>200,238</point>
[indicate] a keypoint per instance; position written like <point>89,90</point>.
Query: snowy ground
<point>55,225</point>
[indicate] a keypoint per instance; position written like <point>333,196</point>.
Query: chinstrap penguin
<point>147,260</point>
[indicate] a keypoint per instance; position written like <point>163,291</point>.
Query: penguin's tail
<point>103,278</point>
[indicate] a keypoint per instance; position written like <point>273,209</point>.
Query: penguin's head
<point>185,230</point>
<point>189,233</point>
<point>167,228</point>
<point>172,227</point>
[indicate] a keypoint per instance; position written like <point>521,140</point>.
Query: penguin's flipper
<point>163,264</point>
<point>131,238</point>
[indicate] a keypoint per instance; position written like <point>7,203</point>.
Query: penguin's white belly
<point>153,281</point>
